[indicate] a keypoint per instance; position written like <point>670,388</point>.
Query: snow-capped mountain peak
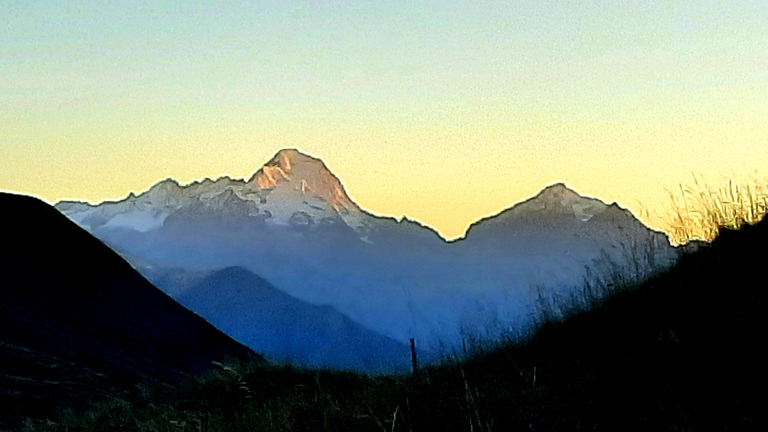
<point>165,193</point>
<point>293,224</point>
<point>557,191</point>
<point>558,198</point>
<point>291,188</point>
<point>293,172</point>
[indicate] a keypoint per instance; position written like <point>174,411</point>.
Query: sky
<point>443,111</point>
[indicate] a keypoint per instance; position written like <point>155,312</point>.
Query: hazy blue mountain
<point>281,327</point>
<point>293,224</point>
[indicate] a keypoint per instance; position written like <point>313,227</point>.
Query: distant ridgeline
<point>330,271</point>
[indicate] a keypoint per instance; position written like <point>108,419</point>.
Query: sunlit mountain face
<point>453,175</point>
<point>291,190</point>
<point>293,225</point>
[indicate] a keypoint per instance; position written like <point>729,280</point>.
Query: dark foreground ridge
<point>680,352</point>
<point>77,321</point>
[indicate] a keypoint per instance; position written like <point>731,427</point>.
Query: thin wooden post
<point>414,363</point>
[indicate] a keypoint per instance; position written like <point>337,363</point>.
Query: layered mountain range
<point>282,327</point>
<point>293,224</point>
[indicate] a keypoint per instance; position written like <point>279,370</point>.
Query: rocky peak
<point>560,192</point>
<point>558,199</point>
<point>294,172</point>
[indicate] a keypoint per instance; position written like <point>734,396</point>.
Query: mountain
<point>293,224</point>
<point>282,327</point>
<point>77,320</point>
<point>292,191</point>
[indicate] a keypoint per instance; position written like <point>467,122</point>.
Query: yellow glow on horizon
<point>444,177</point>
<point>445,112</point>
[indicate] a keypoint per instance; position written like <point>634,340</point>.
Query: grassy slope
<point>678,353</point>
<point>77,322</point>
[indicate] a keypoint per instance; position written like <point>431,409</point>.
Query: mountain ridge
<point>322,185</point>
<point>278,325</point>
<point>396,277</point>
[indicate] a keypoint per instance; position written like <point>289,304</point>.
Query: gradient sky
<point>442,111</point>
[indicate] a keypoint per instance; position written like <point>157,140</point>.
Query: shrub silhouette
<point>700,211</point>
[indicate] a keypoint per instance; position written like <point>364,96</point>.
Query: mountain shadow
<point>282,327</point>
<point>77,321</point>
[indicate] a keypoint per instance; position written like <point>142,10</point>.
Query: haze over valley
<point>293,224</point>
<point>365,216</point>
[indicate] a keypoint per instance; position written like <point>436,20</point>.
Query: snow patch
<point>141,220</point>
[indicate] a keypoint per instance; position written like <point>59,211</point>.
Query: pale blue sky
<point>368,52</point>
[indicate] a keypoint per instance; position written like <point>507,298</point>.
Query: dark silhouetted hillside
<point>284,328</point>
<point>681,352</point>
<point>77,321</point>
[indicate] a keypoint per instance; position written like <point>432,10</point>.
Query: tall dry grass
<point>699,211</point>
